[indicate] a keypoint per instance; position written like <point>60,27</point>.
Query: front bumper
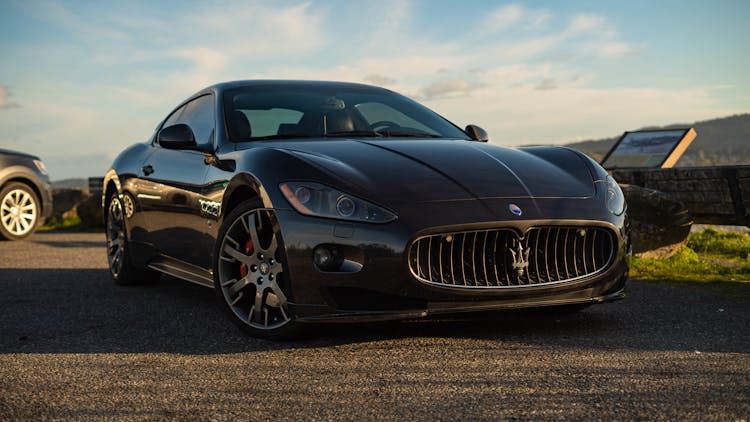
<point>310,314</point>
<point>46,197</point>
<point>384,287</point>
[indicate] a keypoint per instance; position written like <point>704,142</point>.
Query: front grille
<point>501,258</point>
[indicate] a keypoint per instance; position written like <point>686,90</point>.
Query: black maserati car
<point>303,202</point>
<point>25,194</point>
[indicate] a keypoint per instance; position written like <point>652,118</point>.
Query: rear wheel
<point>118,248</point>
<point>19,211</point>
<point>249,274</point>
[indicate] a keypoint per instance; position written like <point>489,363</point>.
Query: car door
<point>172,185</point>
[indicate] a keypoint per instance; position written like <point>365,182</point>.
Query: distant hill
<point>721,141</point>
<point>79,183</point>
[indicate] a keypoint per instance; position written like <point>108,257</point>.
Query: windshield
<point>299,111</point>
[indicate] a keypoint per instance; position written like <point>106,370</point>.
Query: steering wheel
<point>384,124</point>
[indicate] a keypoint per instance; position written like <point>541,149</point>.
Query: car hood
<point>435,170</point>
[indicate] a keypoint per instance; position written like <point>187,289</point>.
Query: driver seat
<point>239,126</point>
<point>339,121</point>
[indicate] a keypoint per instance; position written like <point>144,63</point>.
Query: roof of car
<point>17,153</point>
<point>288,83</point>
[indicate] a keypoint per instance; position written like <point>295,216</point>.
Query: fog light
<point>323,256</point>
<point>326,257</point>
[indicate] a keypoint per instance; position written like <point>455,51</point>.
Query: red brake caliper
<point>248,249</point>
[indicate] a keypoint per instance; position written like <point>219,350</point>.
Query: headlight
<point>615,198</point>
<point>40,166</point>
<point>322,201</point>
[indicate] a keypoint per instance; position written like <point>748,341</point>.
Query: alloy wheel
<point>250,272</point>
<point>18,212</point>
<point>115,236</point>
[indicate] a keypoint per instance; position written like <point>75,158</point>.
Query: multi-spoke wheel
<point>120,265</point>
<point>19,211</point>
<point>249,272</point>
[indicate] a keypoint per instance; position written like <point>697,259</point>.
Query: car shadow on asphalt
<point>82,311</point>
<point>72,243</point>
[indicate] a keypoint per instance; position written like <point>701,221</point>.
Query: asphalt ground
<point>75,346</point>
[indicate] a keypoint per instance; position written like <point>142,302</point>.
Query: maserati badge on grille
<point>520,258</point>
<point>515,209</point>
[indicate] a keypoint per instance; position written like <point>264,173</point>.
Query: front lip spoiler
<point>436,308</point>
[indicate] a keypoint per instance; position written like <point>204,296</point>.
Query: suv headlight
<point>315,199</point>
<point>615,197</point>
<point>40,166</point>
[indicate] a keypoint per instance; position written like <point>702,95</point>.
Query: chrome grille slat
<point>440,259</point>
<point>494,258</point>
<point>557,265</point>
<point>416,259</point>
<point>484,258</point>
<point>583,253</point>
<point>429,257</point>
<point>565,254</point>
<point>576,252</point>
<point>453,273</point>
<point>473,258</point>
<point>547,255</point>
<point>536,256</point>
<point>463,259</point>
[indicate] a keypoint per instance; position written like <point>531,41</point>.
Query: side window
<point>175,117</point>
<point>199,115</point>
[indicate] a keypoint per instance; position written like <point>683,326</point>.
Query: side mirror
<point>178,136</point>
<point>476,133</point>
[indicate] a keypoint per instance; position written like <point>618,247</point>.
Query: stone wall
<point>88,207</point>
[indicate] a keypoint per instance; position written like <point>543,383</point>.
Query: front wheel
<point>249,276</point>
<point>19,211</point>
<point>118,248</point>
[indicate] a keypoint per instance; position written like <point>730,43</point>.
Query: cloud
<point>504,17</point>
<point>586,22</point>
<point>546,84</point>
<point>514,16</point>
<point>5,101</point>
<point>616,49</point>
<point>380,80</point>
<point>258,31</point>
<point>522,115</point>
<point>448,88</point>
<point>539,19</point>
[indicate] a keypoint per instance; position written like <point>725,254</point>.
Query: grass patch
<point>710,255</point>
<point>68,222</point>
<point>731,245</point>
<point>711,258</point>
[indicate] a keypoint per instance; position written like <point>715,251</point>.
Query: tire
<point>121,267</point>
<point>249,273</point>
<point>20,211</point>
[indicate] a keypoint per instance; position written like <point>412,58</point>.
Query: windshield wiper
<point>355,133</point>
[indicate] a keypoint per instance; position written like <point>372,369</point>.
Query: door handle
<point>148,169</point>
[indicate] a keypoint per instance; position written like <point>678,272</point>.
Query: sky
<point>80,81</point>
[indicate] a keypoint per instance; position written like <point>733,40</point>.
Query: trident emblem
<point>520,259</point>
